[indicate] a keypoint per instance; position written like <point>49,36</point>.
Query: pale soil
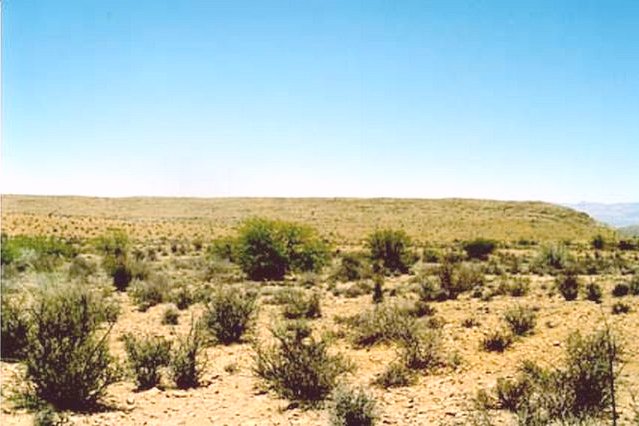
<point>441,398</point>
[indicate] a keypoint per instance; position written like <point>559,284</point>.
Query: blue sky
<point>484,99</point>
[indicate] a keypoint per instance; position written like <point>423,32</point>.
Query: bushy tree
<point>390,247</point>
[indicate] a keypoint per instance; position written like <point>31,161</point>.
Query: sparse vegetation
<point>594,292</point>
<point>520,319</point>
<point>497,341</point>
<point>479,248</point>
<point>568,285</point>
<point>186,363</point>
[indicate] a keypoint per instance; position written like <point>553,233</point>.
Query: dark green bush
<point>230,313</point>
<point>182,297</point>
<point>390,248</point>
<point>620,290</point>
<point>520,319</point>
<point>568,285</point>
<point>620,308</point>
<point>146,356</point>
<point>299,367</point>
<point>497,341</point>
<point>268,249</point>
<point>593,292</point>
<point>378,290</point>
<point>67,358</point>
<point>14,323</point>
<point>598,242</point>
<point>186,363</point>
<point>170,316</point>
<point>117,261</point>
<point>352,408</point>
<point>479,248</point>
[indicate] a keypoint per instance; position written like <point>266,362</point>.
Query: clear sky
<point>484,99</point>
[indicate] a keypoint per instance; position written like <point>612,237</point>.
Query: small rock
<point>130,400</point>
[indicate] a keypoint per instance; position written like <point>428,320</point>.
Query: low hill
<point>344,221</point>
<point>629,231</point>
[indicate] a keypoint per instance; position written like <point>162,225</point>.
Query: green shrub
<point>397,374</point>
<point>182,297</point>
<point>568,285</point>
<point>553,258</point>
<point>352,408</point>
<point>48,416</point>
<point>186,362</point>
<point>146,356</point>
<point>479,248</point>
<point>520,319</point>
<point>153,291</point>
<point>497,341</point>
<point>620,290</point>
<point>515,286</point>
<point>391,248</point>
<point>230,313</point>
<point>593,292</point>
<point>386,322</point>
<point>452,280</point>
<point>268,249</point>
<point>118,263</point>
<point>620,308</point>
<point>35,252</point>
<point>576,392</point>
<point>67,362</point>
<point>82,267</point>
<point>598,242</point>
<point>422,350</point>
<point>299,367</point>
<point>299,304</point>
<point>170,316</point>
<point>351,267</point>
<point>223,248</point>
<point>14,324</point>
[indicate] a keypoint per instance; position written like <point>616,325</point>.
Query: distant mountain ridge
<point>615,214</point>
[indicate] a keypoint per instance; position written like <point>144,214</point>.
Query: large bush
<point>67,357</point>
<point>229,313</point>
<point>269,249</point>
<point>391,248</point>
<point>479,248</point>
<point>15,323</point>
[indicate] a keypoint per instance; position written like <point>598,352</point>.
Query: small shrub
<point>470,322</point>
<point>422,350</point>
<point>81,267</point>
<point>186,363</point>
<point>14,325</point>
<point>452,280</point>
<point>182,297</point>
<point>378,291</point>
<point>593,292</point>
<point>170,316</point>
<point>48,416</point>
<point>598,242</point>
<point>300,305</point>
<point>515,287</point>
<point>620,290</point>
<point>634,284</point>
<point>497,341</point>
<point>146,356</point>
<point>620,308</point>
<point>151,292</point>
<point>521,320</point>
<point>397,374</point>
<point>479,248</point>
<point>352,408</point>
<point>351,267</point>
<point>553,258</point>
<point>223,248</point>
<point>299,367</point>
<point>390,248</point>
<point>568,285</point>
<point>229,313</point>
<point>385,323</point>
<point>68,364</point>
